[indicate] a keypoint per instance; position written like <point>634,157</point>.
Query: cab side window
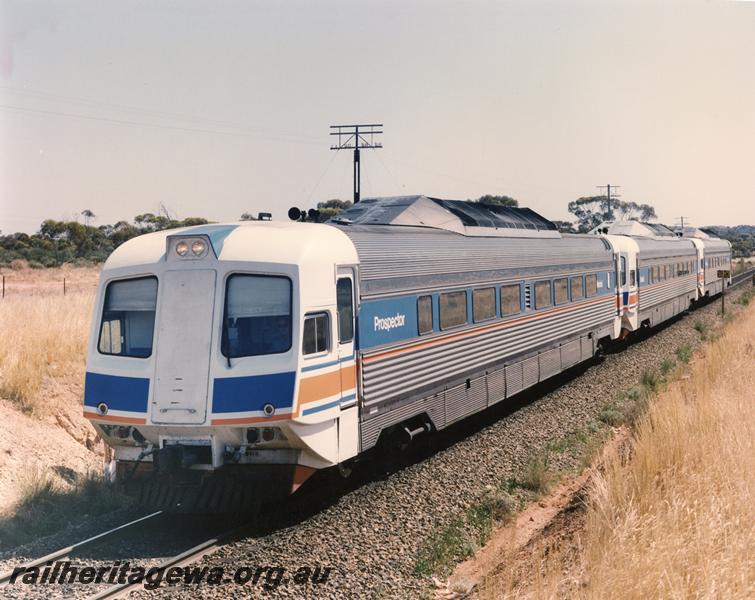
<point>345,305</point>
<point>316,334</point>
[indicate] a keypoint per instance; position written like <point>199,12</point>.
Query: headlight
<point>198,247</point>
<point>182,248</point>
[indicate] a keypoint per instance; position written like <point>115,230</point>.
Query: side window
<point>543,294</point>
<point>453,309</point>
<point>632,277</point>
<point>577,288</point>
<point>591,284</point>
<point>316,333</point>
<point>623,271</point>
<point>345,305</point>
<point>510,300</point>
<point>424,314</point>
<point>128,317</point>
<point>483,304</point>
<point>561,290</point>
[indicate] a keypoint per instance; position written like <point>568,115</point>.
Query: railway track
<point>142,543</point>
<point>180,560</point>
<point>68,550</point>
<point>741,277</point>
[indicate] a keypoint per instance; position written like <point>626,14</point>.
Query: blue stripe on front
<point>249,394</point>
<point>119,393</point>
<point>327,364</point>
<point>309,411</point>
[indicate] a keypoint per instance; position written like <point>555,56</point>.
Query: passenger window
<point>511,300</point>
<point>424,314</point>
<point>483,304</point>
<point>257,318</point>
<point>453,309</point>
<point>591,284</point>
<point>345,305</point>
<point>577,288</point>
<point>128,318</point>
<point>542,294</point>
<point>315,334</point>
<point>561,290</point>
<point>623,271</point>
<point>632,277</point>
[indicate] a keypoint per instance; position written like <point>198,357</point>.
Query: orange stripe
<point>242,420</point>
<point>473,332</point>
<point>318,387</point>
<point>114,418</point>
<point>348,377</point>
<point>301,474</point>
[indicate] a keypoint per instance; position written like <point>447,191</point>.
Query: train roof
<point>266,241</point>
<point>634,228</point>
<point>458,216</point>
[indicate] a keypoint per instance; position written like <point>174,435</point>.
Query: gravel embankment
<point>370,533</point>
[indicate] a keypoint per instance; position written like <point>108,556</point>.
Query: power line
<point>146,111</point>
<point>350,137</point>
<point>60,114</point>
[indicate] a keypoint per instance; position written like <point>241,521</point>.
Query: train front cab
<point>202,369</point>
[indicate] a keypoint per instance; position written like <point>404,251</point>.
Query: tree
<point>565,226</point>
<point>634,211</point>
<point>332,207</point>
<point>497,200</point>
<point>591,211</point>
<point>88,214</point>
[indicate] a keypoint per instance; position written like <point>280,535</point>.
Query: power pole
<point>356,137</point>
<point>608,195</point>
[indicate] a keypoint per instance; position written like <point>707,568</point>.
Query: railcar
<point>228,363</point>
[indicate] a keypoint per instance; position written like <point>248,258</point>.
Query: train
<point>228,363</point>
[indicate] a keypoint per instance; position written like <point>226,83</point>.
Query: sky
<point>215,108</point>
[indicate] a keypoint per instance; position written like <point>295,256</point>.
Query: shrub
<point>684,353</point>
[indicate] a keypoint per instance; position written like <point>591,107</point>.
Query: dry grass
<point>41,337</point>
<point>45,506</point>
<point>676,519</point>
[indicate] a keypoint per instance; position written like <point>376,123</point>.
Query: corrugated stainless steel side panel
<point>659,293</point>
<point>496,386</point>
<point>393,259</point>
<point>671,248</point>
<point>477,394</point>
<point>550,363</point>
<point>570,354</point>
<point>587,348</point>
<point>435,407</point>
<point>530,371</point>
<point>456,402</point>
<point>514,379</point>
<point>400,374</point>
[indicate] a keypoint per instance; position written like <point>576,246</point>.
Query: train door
<point>184,335</point>
<point>628,289</point>
<point>345,300</point>
<point>348,421</point>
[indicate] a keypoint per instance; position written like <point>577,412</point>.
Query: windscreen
<point>257,316</point>
<point>128,317</point>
